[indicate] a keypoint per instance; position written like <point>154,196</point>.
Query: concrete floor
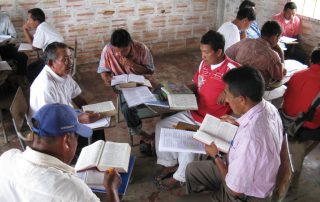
<point>175,68</point>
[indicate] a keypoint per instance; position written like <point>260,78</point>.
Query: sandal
<point>165,174</point>
<point>169,183</point>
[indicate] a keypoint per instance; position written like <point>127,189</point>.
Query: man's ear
<point>66,142</point>
<point>50,63</point>
<point>219,52</point>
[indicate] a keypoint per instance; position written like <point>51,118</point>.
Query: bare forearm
<point>79,101</point>
<point>140,69</point>
<point>223,169</point>
<point>28,36</point>
<point>112,196</point>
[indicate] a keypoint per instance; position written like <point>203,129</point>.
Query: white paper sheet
<point>105,122</point>
<point>25,47</point>
<point>275,93</point>
<point>173,140</point>
<point>99,107</point>
<point>137,95</point>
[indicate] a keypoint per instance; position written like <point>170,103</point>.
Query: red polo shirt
<point>303,87</point>
<point>210,84</point>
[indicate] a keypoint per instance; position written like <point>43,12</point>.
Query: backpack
<point>293,124</point>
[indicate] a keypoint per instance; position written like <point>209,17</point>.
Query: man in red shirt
<point>303,87</point>
<point>209,88</point>
<point>289,21</point>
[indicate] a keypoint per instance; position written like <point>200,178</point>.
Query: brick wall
<point>266,9</point>
<point>164,25</point>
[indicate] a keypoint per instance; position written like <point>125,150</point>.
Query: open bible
<point>104,108</point>
<point>104,155</point>
<point>179,97</point>
<point>213,130</point>
<point>129,81</point>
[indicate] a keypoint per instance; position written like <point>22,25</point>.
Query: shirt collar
<point>54,75</point>
<point>245,118</point>
<point>214,66</point>
<point>46,160</point>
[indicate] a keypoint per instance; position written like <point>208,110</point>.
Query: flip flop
<point>167,185</point>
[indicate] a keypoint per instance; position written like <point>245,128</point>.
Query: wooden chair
<point>75,58</point>
<point>285,172</point>
<point>19,112</point>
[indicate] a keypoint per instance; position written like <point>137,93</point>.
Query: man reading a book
<point>54,84</point>
<point>209,88</point>
<point>42,171</point>
<point>254,156</point>
<point>126,56</point>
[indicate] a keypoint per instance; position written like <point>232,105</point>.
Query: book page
<point>99,107</point>
<point>288,40</point>
<point>275,93</point>
<point>136,78</point>
<point>4,38</point>
<point>89,156</point>
<point>5,66</point>
<point>174,140</point>
<point>104,122</point>
<point>25,47</point>
<point>292,66</point>
<point>94,177</point>
<point>115,155</point>
<point>183,101</point>
<point>123,78</point>
<point>216,127</point>
<point>137,95</point>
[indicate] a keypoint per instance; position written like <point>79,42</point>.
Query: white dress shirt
<point>35,176</point>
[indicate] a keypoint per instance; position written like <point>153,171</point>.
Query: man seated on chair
<point>231,30</point>
<point>253,32</point>
<point>44,35</point>
<point>54,84</point>
<point>42,171</point>
<point>126,56</point>
<point>254,156</point>
<point>289,21</point>
<point>303,88</point>
<point>9,51</point>
<point>262,53</point>
<point>208,86</point>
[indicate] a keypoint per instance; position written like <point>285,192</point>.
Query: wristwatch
<point>218,155</point>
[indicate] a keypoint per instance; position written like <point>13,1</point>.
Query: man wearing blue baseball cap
<point>42,173</point>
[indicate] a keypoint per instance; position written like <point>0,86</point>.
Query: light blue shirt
<point>6,26</point>
<point>253,32</point>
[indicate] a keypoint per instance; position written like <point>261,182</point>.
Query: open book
<point>174,140</point>
<point>4,38</point>
<point>180,97</point>
<point>25,47</point>
<point>94,178</point>
<point>104,155</point>
<point>105,108</point>
<point>137,95</point>
<point>213,130</point>
<point>129,81</point>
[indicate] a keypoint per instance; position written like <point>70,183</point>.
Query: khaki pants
<point>204,177</point>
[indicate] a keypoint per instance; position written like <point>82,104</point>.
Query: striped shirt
<point>254,157</point>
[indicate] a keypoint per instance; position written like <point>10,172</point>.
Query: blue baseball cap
<point>54,120</point>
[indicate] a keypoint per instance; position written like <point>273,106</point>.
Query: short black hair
<point>246,13</point>
<point>214,39</point>
<point>290,5</point>
<point>271,28</point>
<point>315,55</point>
<point>51,50</point>
<point>37,15</point>
<point>245,81</point>
<point>120,38</point>
<point>247,4</point>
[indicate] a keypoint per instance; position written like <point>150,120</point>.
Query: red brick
<point>193,43</point>
<point>184,32</point>
<point>50,4</point>
<point>159,47</point>
<point>182,7</point>
<point>75,3</point>
<point>192,20</point>
<point>158,21</point>
<point>150,36</point>
<point>176,20</point>
<point>119,23</point>
<point>176,45</point>
<point>126,10</point>
<point>146,9</point>
<point>140,24</point>
<point>199,30</point>
<point>167,34</point>
<point>164,8</point>
<point>207,19</point>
